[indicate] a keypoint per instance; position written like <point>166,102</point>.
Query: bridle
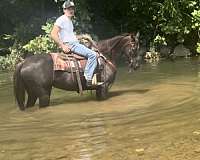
<point>133,47</point>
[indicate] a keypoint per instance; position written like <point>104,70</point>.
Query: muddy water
<point>153,114</point>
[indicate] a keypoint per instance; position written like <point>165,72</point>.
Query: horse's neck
<point>110,43</point>
<point>123,41</point>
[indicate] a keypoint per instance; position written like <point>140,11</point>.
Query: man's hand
<point>66,48</point>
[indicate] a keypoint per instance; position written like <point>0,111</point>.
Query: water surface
<point>152,114</point>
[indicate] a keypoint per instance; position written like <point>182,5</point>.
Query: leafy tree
<point>42,43</point>
<point>159,21</point>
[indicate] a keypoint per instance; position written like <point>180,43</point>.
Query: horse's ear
<point>137,35</point>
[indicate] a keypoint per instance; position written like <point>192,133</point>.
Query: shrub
<point>42,43</point>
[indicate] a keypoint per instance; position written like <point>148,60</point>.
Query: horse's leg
<point>31,95</point>
<point>44,97</point>
<point>31,100</point>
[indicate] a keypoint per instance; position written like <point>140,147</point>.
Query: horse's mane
<point>126,34</point>
<point>116,37</point>
<point>114,41</point>
<point>122,36</point>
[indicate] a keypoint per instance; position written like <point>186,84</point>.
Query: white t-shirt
<point>66,33</point>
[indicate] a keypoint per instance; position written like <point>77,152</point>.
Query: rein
<point>109,63</point>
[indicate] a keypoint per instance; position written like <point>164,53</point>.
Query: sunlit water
<point>152,114</point>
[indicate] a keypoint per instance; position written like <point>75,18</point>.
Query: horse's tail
<point>19,89</point>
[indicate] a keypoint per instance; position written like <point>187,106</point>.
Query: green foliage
<point>9,61</point>
<point>24,32</point>
<point>198,48</point>
<point>42,43</point>
<point>39,45</point>
<point>170,19</point>
<point>159,22</point>
<point>196,25</point>
<point>160,40</point>
<point>175,19</point>
<point>196,19</point>
<point>82,21</point>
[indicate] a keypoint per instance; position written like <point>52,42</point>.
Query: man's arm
<point>55,37</point>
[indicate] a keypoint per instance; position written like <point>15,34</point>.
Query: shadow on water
<point>90,96</point>
<point>72,99</point>
<point>125,91</point>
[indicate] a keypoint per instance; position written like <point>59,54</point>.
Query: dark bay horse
<point>36,76</point>
<point>126,44</point>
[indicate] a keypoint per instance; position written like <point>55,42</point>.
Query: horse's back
<point>39,61</point>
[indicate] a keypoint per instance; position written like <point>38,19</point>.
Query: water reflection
<point>155,110</point>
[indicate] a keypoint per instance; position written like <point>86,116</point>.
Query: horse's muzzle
<point>133,66</point>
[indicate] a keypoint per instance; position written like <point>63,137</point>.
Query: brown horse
<point>36,77</point>
<point>126,44</point>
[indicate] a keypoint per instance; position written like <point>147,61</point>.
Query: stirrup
<point>94,81</point>
<point>99,83</point>
<point>89,83</point>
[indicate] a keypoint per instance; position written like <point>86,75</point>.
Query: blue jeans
<point>91,55</point>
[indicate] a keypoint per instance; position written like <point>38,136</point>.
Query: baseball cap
<point>68,4</point>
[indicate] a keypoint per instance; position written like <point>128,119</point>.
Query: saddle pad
<point>66,65</point>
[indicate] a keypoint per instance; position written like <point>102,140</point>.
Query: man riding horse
<point>36,75</point>
<point>63,34</point>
